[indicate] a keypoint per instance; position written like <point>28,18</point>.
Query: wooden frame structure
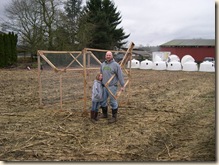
<point>86,53</point>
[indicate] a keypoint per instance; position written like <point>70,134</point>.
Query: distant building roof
<point>190,42</point>
<point>140,52</point>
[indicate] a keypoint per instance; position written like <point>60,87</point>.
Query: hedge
<point>8,50</point>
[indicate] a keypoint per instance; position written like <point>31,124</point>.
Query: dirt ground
<point>167,116</point>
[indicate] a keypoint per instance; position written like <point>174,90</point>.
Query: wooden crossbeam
<point>58,52</point>
<point>102,50</point>
<point>75,59</point>
<point>72,60</point>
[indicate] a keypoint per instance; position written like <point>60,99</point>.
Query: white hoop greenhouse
<point>190,66</point>
<point>134,64</point>
<point>207,66</point>
<point>187,58</point>
<point>146,64</point>
<point>174,66</point>
<point>159,65</point>
<point>173,57</point>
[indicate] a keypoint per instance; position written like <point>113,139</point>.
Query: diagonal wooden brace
<point>125,59</point>
<point>44,57</point>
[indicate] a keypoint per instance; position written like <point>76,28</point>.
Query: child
<point>97,96</point>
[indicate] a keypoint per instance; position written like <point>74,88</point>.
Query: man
<point>108,68</point>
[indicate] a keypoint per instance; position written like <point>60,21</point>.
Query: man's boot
<point>104,112</point>
<point>114,116</point>
<point>96,116</point>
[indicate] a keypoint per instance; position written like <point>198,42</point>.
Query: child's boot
<point>92,116</point>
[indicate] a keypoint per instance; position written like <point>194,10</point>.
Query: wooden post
<point>60,88</point>
<point>39,79</point>
<point>88,67</point>
<point>85,113</point>
<point>129,75</point>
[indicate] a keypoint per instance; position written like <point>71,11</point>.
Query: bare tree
<point>49,11</point>
<point>24,18</point>
<point>34,21</point>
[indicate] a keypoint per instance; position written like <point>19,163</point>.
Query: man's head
<point>109,56</point>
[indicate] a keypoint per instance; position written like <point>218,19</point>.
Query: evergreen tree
<point>103,14</point>
<point>10,51</point>
<point>2,53</point>
<point>14,48</point>
<point>7,49</point>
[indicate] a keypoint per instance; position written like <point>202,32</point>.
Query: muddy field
<point>169,116</point>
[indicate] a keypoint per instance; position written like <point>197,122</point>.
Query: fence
<point>66,77</point>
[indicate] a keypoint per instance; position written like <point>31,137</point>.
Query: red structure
<point>197,48</point>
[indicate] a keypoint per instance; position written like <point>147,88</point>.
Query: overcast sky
<point>154,22</point>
